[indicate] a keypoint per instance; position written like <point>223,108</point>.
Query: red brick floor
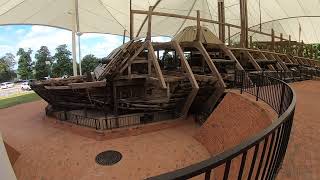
<point>302,161</point>
<point>51,152</point>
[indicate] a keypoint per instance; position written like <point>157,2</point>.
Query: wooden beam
<point>156,65</point>
<point>221,19</point>
<point>148,38</point>
<point>253,61</point>
<point>198,26</point>
<point>131,21</point>
<point>195,18</point>
<point>229,36</point>
<point>185,65</point>
<point>143,46</point>
<point>244,24</point>
<point>208,60</point>
<point>284,66</point>
<point>228,52</point>
<point>272,40</point>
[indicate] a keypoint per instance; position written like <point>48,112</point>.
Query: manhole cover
<point>108,158</point>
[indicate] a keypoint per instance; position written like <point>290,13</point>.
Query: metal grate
<point>108,158</point>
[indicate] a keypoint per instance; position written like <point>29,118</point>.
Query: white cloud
<point>50,37</point>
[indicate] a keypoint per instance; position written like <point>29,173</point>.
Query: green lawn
<point>12,101</point>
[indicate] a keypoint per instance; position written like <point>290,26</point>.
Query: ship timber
<point>191,76</point>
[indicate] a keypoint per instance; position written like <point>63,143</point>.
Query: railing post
<point>282,99</point>
<point>242,81</point>
<point>258,87</point>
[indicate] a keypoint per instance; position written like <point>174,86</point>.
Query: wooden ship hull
<point>192,77</point>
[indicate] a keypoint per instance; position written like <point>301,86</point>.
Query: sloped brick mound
<point>13,154</point>
<point>234,120</point>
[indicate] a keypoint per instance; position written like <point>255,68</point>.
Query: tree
<point>88,63</point>
<point>6,65</point>
<point>24,63</point>
<point>41,67</point>
<point>63,62</point>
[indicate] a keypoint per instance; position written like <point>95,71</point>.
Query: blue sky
<point>14,37</point>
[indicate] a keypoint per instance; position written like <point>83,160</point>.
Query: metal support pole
<point>74,54</point>
<point>79,51</point>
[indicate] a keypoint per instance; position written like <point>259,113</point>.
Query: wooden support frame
<point>190,75</point>
<point>148,38</point>
<point>231,55</point>
<point>154,13</point>
<point>129,62</point>
<point>198,26</point>
<point>252,60</point>
<point>156,65</point>
<point>208,60</point>
<point>185,64</point>
<point>283,65</point>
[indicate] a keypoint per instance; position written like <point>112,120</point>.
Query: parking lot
<point>16,90</point>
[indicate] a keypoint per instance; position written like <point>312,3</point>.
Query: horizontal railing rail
<point>260,156</point>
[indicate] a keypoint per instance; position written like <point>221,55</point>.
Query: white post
<point>74,53</point>
<point>79,52</point>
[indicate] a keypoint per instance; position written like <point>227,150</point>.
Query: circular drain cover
<point>108,158</point>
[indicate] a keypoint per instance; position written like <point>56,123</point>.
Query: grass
<point>12,101</point>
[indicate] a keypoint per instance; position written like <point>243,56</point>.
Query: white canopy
<point>112,16</point>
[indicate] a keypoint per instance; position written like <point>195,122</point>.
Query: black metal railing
<point>260,156</point>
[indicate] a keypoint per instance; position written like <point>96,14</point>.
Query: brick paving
<point>302,160</point>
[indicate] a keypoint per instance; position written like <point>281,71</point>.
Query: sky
<point>13,37</point>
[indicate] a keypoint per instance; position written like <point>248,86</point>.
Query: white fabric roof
<point>112,16</point>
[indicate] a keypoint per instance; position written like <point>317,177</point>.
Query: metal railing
<point>260,156</point>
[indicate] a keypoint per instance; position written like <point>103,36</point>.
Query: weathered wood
<point>185,65</point>
<point>253,61</point>
<point>244,23</point>
<point>156,65</point>
<point>228,52</point>
<point>209,62</point>
<point>87,84</point>
<point>148,38</point>
<point>144,45</point>
<point>198,26</point>
<point>221,19</point>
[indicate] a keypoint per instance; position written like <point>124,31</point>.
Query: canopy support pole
<point>131,20</point>
<point>79,48</point>
<point>198,26</point>
<point>221,19</point>
<point>244,24</point>
<point>74,45</point>
<point>74,54</point>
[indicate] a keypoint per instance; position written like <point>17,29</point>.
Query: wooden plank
<point>284,66</point>
<point>57,87</point>
<point>143,46</point>
<point>198,26</point>
<point>87,84</point>
<point>185,65</point>
<point>208,60</point>
<point>148,38</point>
<point>253,61</point>
<point>277,65</point>
<point>270,66</point>
<point>156,65</point>
<point>228,52</point>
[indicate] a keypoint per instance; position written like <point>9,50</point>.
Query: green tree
<point>88,63</point>
<point>63,62</point>
<point>6,67</point>
<point>24,63</point>
<point>41,67</point>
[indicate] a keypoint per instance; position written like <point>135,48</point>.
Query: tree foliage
<point>25,63</point>
<point>7,63</point>
<point>89,63</point>
<point>41,67</point>
<point>63,62</point>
